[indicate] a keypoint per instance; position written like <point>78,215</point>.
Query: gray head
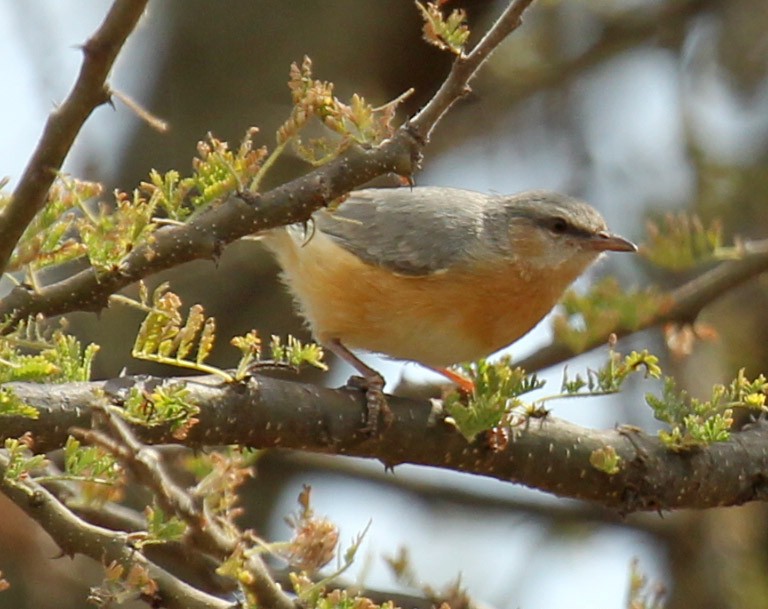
<point>548,230</point>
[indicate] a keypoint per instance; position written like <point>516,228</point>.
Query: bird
<point>435,275</point>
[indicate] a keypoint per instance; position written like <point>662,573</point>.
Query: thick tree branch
<point>550,454</point>
<point>206,235</point>
<point>682,305</point>
<point>89,92</point>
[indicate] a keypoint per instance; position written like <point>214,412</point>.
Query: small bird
<point>435,275</point>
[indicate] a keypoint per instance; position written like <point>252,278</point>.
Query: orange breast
<point>437,320</point>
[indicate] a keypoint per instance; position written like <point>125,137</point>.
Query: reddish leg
<point>465,384</point>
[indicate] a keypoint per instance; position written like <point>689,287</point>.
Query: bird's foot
<point>376,402</point>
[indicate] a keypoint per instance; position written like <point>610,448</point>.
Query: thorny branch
<point>76,536</point>
<point>201,238</point>
<point>206,533</point>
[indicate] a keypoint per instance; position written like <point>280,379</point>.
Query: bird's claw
<point>376,403</point>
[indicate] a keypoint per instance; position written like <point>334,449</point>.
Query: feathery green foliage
<point>33,352</point>
<point>166,337</point>
<point>355,123</point>
<point>21,461</point>
<point>694,423</point>
<point>498,387</point>
<point>446,33</point>
<point>678,242</point>
<point>584,319</point>
<point>166,404</point>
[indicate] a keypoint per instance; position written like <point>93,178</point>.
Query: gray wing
<point>411,231</point>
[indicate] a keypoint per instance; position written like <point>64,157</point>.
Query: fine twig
<point>206,533</point>
<point>464,69</point>
<point>75,536</point>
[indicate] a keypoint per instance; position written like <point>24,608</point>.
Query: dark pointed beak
<point>607,242</point>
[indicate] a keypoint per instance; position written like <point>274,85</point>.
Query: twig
<point>464,69</point>
<point>75,536</point>
<point>64,123</point>
<point>208,534</point>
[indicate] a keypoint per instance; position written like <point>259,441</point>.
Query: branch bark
<point>550,454</point>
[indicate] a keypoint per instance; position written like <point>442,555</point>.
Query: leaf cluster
<point>99,472</point>
<point>75,224</point>
<point>166,404</point>
<point>167,337</point>
<point>693,422</point>
<point>122,583</point>
<point>50,237</point>
<point>495,401</point>
<point>31,352</point>
<point>678,242</point>
<point>218,488</point>
<point>217,171</point>
<point>498,387</point>
<point>447,33</point>
<point>584,319</point>
<point>21,461</point>
<point>357,122</point>
<point>611,377</point>
<point>161,527</point>
<point>315,538</point>
<point>335,599</point>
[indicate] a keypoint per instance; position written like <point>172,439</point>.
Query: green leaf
<point>447,33</point>
<point>498,387</point>
<point>678,242</point>
<point>606,460</point>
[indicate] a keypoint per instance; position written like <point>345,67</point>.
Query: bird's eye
<point>558,225</point>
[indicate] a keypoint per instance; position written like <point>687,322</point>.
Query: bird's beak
<point>607,242</point>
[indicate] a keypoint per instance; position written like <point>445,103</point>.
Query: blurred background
<point>638,106</point>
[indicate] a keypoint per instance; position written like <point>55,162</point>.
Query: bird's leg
<point>371,382</point>
<point>463,383</point>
